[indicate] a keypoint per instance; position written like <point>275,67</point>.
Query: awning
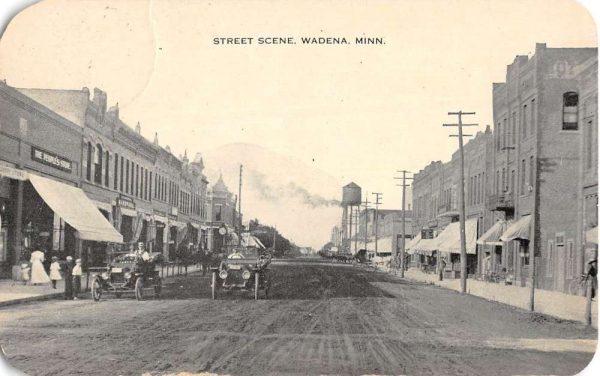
<point>195,225</point>
<point>449,239</point>
<point>409,247</point>
<point>492,236</point>
<point>426,245</point>
<point>591,235</point>
<point>75,208</point>
<point>518,230</point>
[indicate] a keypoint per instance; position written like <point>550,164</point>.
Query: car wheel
<point>96,290</point>
<point>139,289</point>
<point>213,285</point>
<point>158,288</point>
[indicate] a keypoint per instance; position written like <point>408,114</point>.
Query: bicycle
<point>577,285</point>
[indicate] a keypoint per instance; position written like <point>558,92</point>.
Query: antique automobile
<point>128,273</point>
<point>245,269</point>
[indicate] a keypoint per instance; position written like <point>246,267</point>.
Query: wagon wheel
<point>96,290</point>
<point>158,288</point>
<point>256,279</point>
<point>214,285</point>
<point>139,289</point>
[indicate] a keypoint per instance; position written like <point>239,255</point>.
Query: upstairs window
<point>98,164</point>
<point>570,102</point>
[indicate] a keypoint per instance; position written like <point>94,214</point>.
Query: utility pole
<point>403,249</point>
<point>377,203</point>
<point>463,244</point>
<point>366,206</point>
<point>240,200</point>
<point>274,237</point>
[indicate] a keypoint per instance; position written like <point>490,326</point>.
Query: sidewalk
<point>552,303</point>
<point>14,292</point>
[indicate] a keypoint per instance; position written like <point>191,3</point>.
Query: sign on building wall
<point>51,159</point>
<point>126,202</point>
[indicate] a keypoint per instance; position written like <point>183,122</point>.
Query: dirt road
<point>322,319</point>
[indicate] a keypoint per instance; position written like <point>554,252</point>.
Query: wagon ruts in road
<point>246,269</point>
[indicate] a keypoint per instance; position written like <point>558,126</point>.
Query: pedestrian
<point>77,279</point>
<point>442,266</point>
<point>38,273</point>
<point>55,271</point>
<point>25,269</point>
<point>592,273</point>
<point>68,272</point>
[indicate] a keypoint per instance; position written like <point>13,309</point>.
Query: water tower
<point>351,197</point>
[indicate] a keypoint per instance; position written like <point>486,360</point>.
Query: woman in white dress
<point>38,274</point>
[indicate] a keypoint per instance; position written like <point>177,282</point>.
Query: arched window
<point>570,103</point>
<point>98,155</point>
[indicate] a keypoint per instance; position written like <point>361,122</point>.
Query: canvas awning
<point>75,208</point>
<point>449,239</point>
<point>409,247</point>
<point>518,230</point>
<point>492,236</point>
<point>591,235</point>
<point>426,245</point>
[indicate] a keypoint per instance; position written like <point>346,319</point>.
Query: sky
<point>353,112</point>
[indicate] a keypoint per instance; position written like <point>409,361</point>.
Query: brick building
<point>542,154</point>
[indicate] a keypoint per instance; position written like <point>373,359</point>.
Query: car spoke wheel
<point>214,285</point>
<point>139,289</point>
<point>96,290</point>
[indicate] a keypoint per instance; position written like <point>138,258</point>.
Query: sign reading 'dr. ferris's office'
<point>51,159</point>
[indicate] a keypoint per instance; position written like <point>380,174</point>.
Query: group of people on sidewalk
<point>35,273</point>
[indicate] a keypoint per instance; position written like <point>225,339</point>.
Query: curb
<point>60,295</point>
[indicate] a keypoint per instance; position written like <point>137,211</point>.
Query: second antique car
<point>245,269</point>
<point>128,273</point>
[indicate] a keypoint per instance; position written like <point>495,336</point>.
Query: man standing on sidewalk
<point>68,270</point>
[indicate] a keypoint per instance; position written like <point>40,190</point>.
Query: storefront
<point>54,217</point>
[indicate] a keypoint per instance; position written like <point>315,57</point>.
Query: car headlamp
<point>223,274</point>
<point>127,275</point>
<point>246,274</point>
<point>104,275</point>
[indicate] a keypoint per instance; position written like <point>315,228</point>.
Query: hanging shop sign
<point>126,202</point>
<point>51,159</point>
<point>12,173</point>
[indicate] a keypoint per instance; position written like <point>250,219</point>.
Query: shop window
<point>550,258</point>
<point>98,156</point>
<point>570,103</point>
